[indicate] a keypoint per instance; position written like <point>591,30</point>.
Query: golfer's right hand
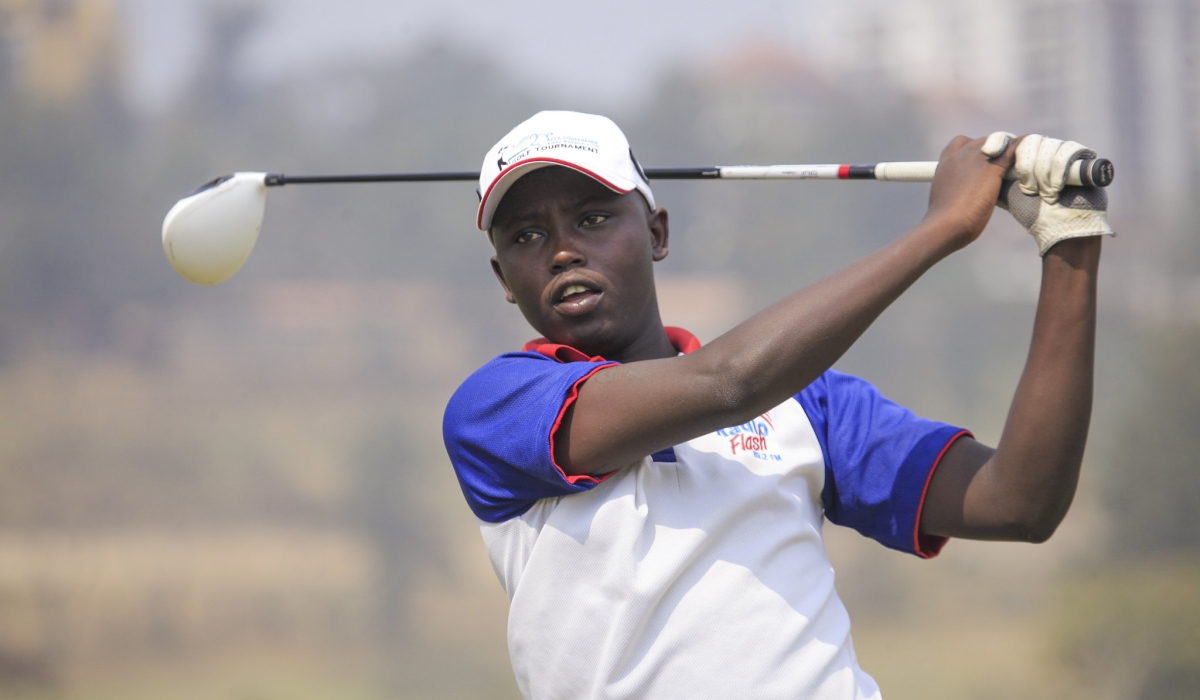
<point>966,186</point>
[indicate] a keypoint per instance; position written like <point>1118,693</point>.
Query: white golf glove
<point>1040,200</point>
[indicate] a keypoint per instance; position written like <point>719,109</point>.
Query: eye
<point>594,219</point>
<point>526,237</point>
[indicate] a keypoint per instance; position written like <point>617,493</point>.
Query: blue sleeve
<point>879,458</point>
<point>499,431</point>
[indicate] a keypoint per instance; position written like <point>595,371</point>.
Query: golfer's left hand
<point>1042,202</point>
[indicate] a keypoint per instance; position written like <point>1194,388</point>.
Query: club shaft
<point>278,180</point>
<point>1096,172</point>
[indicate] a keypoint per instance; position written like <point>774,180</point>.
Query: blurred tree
<point>389,506</point>
<point>1154,483</point>
<point>6,50</point>
<point>1132,626</point>
<point>763,108</point>
<point>1133,631</point>
<point>231,25</point>
<point>59,204</point>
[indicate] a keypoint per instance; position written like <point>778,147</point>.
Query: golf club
<point>208,235</point>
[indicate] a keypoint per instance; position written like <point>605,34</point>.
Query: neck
<point>652,344</point>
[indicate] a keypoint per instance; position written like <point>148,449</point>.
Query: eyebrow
<point>597,198</point>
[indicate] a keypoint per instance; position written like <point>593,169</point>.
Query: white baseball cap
<point>591,144</point>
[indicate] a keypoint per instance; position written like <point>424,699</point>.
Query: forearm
<point>1023,489</point>
<point>782,349</point>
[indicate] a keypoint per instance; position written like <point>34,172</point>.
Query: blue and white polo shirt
<point>699,572</point>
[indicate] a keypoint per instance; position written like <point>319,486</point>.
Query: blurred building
<point>949,50</point>
<point>59,51</point>
<point>1119,75</point>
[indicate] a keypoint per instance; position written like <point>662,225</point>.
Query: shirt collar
<point>682,340</point>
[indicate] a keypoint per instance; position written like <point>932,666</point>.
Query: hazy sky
<point>609,51</point>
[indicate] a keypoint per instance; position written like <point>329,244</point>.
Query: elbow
<point>1037,525</point>
<point>1037,532</point>
<point>1033,507</point>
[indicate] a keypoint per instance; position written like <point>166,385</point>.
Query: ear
<point>500,276</point>
<point>660,233</point>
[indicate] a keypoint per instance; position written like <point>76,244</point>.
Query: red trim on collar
<point>683,341</point>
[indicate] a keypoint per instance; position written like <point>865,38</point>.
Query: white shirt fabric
<point>699,572</point>
<point>701,578</point>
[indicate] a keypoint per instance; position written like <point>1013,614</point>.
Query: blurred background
<point>240,492</point>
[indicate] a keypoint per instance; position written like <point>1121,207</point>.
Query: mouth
<point>576,298</point>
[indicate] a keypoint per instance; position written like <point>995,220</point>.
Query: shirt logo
<point>752,438</point>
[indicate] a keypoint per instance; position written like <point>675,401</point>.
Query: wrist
<point>1081,253</point>
<point>1069,272</point>
<point>946,235</point>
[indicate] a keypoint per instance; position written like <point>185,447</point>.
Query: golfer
<point>654,508</point>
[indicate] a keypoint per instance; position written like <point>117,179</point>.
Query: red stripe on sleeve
<point>578,478</point>
<point>928,546</point>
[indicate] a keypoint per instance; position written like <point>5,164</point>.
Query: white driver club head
<point>208,235</point>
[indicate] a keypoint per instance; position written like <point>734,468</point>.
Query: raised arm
<point>1023,488</point>
<point>625,413</point>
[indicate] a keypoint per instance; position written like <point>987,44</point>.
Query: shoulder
<point>518,394</point>
<point>498,430</point>
<point>835,389</point>
<point>844,407</point>
<point>506,368</point>
<point>879,457</point>
<point>514,378</point>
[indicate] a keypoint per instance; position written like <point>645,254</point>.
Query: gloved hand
<point>1040,200</point>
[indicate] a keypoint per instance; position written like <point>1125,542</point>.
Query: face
<point>577,259</point>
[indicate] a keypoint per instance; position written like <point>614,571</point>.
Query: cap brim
<point>496,191</point>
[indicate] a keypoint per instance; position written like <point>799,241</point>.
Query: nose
<point>567,254</point>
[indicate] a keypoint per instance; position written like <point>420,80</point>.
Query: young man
<point>654,508</point>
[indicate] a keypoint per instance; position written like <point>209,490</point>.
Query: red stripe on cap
<point>843,172</point>
<point>550,161</point>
